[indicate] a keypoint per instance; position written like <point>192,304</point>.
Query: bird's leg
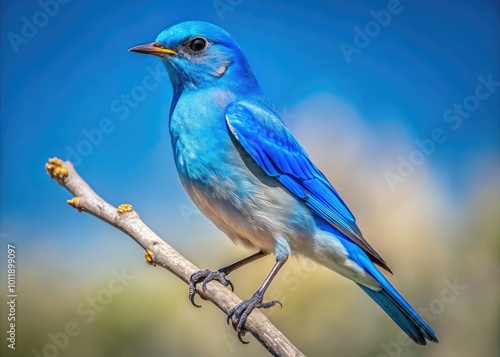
<point>238,315</point>
<point>205,276</point>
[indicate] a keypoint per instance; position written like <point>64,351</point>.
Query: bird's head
<point>198,54</point>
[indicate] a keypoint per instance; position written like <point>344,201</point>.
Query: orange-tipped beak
<point>154,48</point>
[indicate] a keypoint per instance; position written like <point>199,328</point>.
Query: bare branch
<point>160,253</point>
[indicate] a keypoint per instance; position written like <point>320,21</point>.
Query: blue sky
<point>422,86</point>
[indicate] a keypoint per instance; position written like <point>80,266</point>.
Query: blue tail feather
<point>389,299</point>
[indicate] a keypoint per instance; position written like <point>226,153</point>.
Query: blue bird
<point>246,172</point>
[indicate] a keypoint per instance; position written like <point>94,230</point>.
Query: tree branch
<point>160,253</point>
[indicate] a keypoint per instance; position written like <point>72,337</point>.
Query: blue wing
<point>264,136</point>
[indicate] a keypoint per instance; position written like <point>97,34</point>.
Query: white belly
<point>256,219</point>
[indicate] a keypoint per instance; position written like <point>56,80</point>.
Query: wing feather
<point>264,136</point>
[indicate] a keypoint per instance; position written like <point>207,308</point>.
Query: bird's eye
<point>197,44</point>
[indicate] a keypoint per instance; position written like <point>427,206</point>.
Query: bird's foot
<point>238,315</point>
<point>205,276</point>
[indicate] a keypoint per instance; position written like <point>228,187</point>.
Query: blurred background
<point>396,102</point>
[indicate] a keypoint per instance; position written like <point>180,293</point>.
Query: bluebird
<point>247,173</point>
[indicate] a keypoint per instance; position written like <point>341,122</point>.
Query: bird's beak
<point>154,48</point>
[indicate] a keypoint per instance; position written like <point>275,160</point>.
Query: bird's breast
<point>227,185</point>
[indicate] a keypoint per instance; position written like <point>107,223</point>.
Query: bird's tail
<point>396,306</point>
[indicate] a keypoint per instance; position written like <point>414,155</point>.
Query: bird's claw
<point>238,315</point>
<point>205,276</point>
